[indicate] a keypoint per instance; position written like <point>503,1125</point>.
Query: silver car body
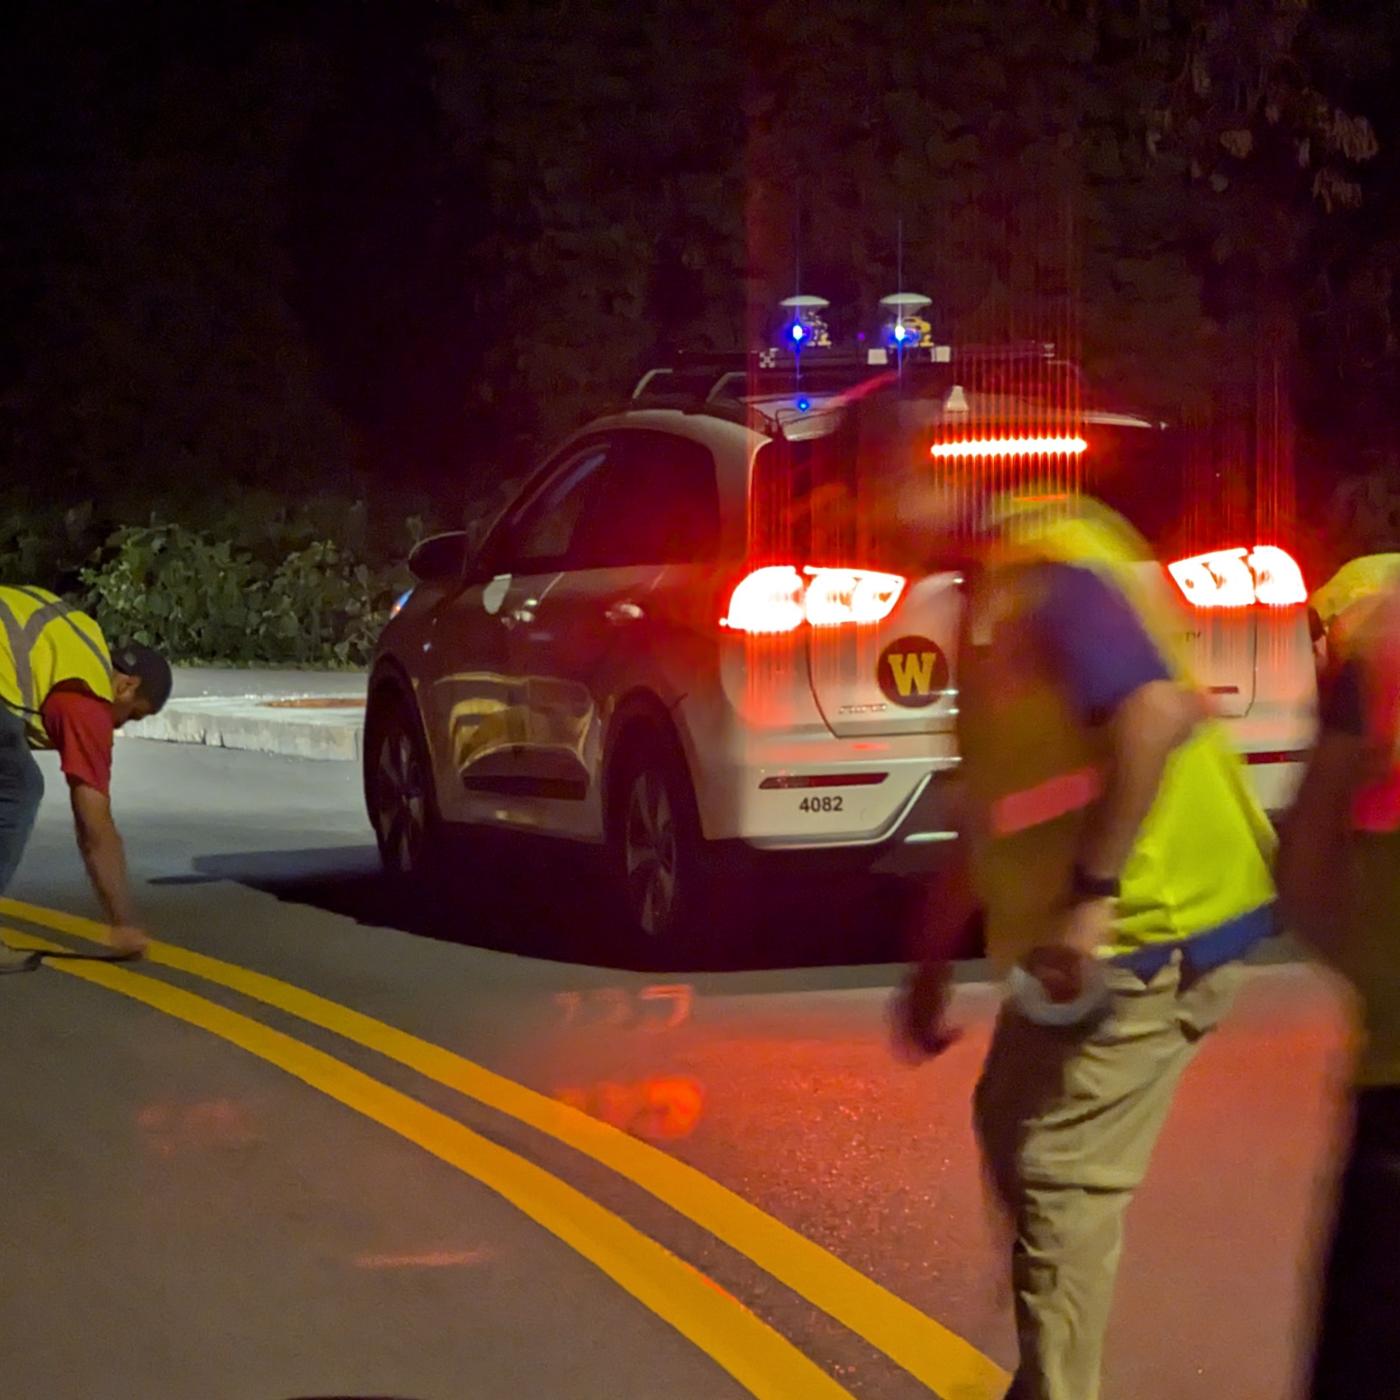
<point>524,673</point>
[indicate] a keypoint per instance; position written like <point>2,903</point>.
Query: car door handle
<point>623,612</point>
<point>525,613</point>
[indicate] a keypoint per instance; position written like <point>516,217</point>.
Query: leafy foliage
<point>202,599</point>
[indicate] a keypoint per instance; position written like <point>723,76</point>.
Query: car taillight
<point>777,598</point>
<point>1278,581</point>
<point>835,596</point>
<point>767,600</point>
<point>1238,578</point>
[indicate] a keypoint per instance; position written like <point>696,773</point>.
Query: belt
<point>1203,952</point>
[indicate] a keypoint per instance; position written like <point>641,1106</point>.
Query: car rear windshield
<point>1178,487</point>
<point>831,496</point>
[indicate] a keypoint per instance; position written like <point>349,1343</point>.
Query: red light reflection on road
<point>196,1127</point>
<point>659,1109</point>
<point>661,1007</point>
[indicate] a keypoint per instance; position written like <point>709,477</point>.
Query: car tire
<point>662,879</point>
<point>399,793</point>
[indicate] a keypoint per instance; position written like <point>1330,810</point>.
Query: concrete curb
<point>248,723</point>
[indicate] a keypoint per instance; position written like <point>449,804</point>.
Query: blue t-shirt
<point>1094,641</point>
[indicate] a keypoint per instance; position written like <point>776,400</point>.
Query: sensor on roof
<point>806,325</point>
<point>908,326</point>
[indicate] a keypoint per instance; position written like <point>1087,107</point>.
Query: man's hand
<point>919,1014</point>
<point>128,939</point>
<point>1087,925</point>
<point>1061,965</point>
<point>101,846</point>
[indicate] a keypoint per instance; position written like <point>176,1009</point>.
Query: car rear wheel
<point>400,795</point>
<point>660,871</point>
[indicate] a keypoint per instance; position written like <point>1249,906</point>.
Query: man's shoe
<point>14,960</point>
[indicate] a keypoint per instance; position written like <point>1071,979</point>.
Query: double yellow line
<point>757,1356</point>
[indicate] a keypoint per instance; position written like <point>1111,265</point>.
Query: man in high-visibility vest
<point>61,687</point>
<point>1123,868</point>
<point>1339,876</point>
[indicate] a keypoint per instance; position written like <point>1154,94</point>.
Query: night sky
<point>351,246</point>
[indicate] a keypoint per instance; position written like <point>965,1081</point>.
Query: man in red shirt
<point>53,665</point>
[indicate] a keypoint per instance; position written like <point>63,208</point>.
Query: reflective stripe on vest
<point>1045,802</point>
<point>40,658</point>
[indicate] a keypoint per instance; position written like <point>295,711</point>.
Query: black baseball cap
<point>149,667</point>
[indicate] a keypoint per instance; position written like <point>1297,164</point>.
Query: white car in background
<point>666,649</point>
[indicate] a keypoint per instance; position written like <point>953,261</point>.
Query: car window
<point>635,497</point>
<point>661,505</point>
<point>548,531</point>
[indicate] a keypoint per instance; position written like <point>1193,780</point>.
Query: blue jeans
<point>21,788</point>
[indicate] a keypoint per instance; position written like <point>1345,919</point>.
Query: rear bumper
<point>921,839</point>
<point>928,836</point>
<point>1274,777</point>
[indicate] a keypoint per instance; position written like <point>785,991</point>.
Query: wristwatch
<point>1086,886</point>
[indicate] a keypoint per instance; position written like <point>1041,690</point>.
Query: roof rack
<point>720,375</point>
<point>731,410</point>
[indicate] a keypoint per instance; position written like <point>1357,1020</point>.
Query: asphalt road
<point>449,1149</point>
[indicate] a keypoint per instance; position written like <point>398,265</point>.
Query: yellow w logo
<point>913,671</point>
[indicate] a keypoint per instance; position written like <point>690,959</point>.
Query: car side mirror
<point>439,558</point>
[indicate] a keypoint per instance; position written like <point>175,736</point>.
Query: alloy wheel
<point>649,852</point>
<point>401,812</point>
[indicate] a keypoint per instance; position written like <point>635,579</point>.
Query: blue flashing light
<point>803,404</point>
<point>797,332</point>
<point>901,332</point>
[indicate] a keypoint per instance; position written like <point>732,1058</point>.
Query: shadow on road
<point>545,899</point>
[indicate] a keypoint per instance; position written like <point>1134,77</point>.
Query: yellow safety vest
<point>1345,602</point>
<point>1033,768</point>
<point>43,643</point>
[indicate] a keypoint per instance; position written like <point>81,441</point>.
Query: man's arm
<point>947,906</point>
<point>1143,731</point>
<point>1312,859</point>
<point>105,857</point>
<point>1116,677</point>
<point>1312,851</point>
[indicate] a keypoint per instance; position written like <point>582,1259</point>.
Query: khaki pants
<point>1067,1121</point>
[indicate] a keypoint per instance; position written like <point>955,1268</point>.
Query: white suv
<point>676,642</point>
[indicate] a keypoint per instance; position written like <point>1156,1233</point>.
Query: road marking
<point>763,1361</point>
<point>946,1363</point>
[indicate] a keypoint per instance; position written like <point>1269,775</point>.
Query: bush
<point>203,599</point>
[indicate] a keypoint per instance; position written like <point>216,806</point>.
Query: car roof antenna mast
<point>899,282</point>
<point>796,279</point>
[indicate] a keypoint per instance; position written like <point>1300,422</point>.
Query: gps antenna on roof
<point>907,327</point>
<point>806,326</point>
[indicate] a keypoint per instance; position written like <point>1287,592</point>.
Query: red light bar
<point>1011,447</point>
